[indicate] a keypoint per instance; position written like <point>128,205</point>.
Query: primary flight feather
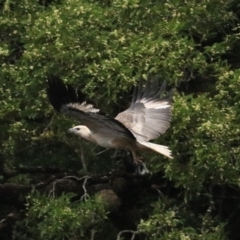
<point>146,119</point>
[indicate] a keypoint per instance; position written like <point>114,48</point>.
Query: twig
<point>82,156</point>
<point>85,196</point>
<point>134,233</point>
<point>102,151</point>
<point>52,192</point>
<point>155,187</point>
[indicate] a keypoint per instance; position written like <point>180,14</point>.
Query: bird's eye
<point>78,129</point>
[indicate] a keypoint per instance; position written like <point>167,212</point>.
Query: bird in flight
<point>146,119</point>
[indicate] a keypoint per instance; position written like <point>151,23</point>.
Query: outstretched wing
<point>65,99</point>
<point>150,112</point>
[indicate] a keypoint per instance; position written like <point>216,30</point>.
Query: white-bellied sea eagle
<point>146,119</point>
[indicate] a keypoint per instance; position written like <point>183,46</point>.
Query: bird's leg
<point>141,167</point>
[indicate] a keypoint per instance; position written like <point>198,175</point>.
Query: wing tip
<point>60,94</point>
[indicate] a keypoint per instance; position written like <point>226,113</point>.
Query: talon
<point>141,167</point>
<point>138,160</point>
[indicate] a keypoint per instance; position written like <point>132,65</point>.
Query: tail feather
<point>157,148</point>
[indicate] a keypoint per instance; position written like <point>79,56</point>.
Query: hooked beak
<point>71,130</point>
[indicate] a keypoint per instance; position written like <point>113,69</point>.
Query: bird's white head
<point>81,131</point>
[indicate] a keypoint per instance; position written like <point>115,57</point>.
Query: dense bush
<point>105,47</point>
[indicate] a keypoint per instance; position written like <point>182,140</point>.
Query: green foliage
<point>49,218</point>
<point>105,46</point>
<point>172,223</point>
<point>208,131</point>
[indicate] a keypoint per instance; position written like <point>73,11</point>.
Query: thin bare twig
<point>134,233</point>
<point>82,156</point>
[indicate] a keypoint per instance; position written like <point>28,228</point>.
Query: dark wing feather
<point>150,113</point>
<point>66,100</point>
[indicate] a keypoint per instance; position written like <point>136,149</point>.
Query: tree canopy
<point>54,186</point>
